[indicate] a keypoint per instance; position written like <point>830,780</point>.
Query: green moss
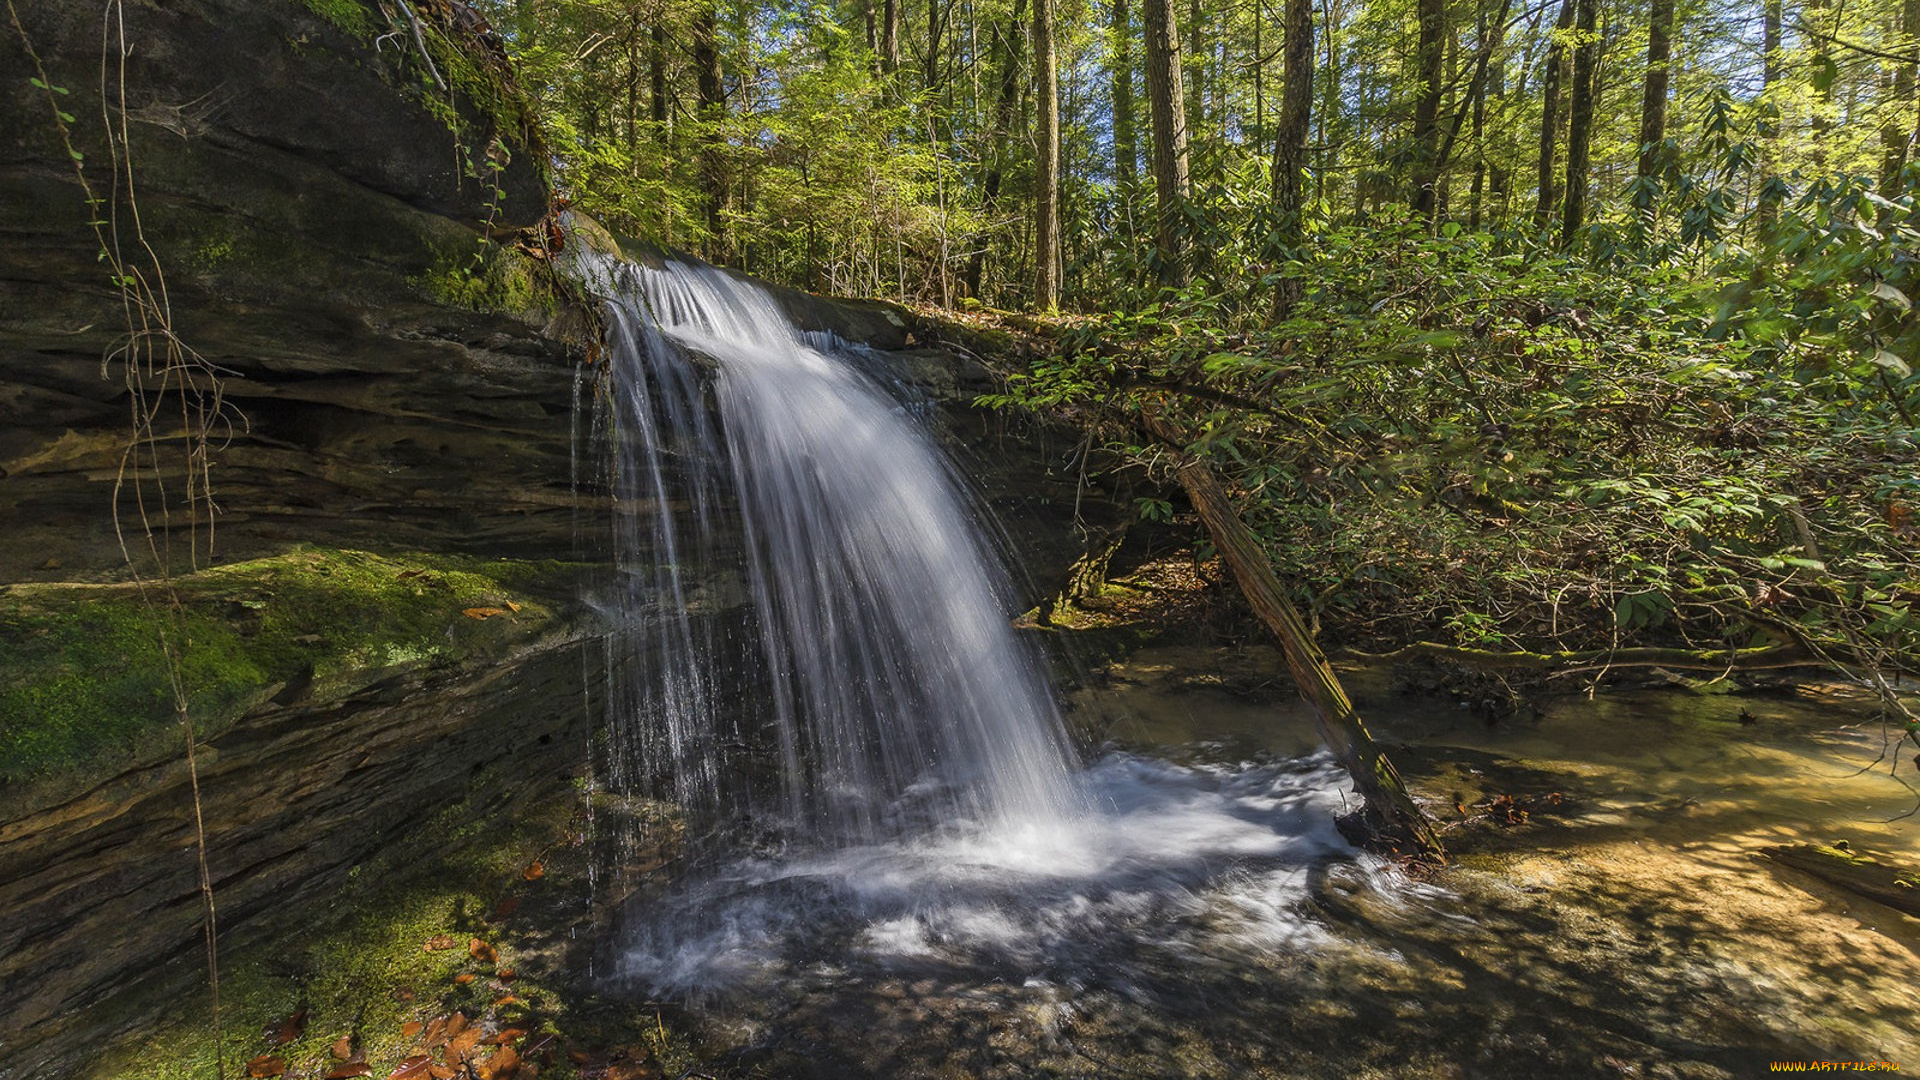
<point>352,16</point>
<point>496,280</point>
<point>85,683</point>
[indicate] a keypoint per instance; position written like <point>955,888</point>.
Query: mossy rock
<point>85,678</point>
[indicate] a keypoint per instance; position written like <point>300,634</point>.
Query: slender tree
<point>890,16</point>
<point>1767,210</point>
<point>1431,56</point>
<point>1046,156</point>
<point>1556,63</point>
<point>1573,212</point>
<point>713,114</point>
<point>1008,41</point>
<point>1126,153</point>
<point>1168,111</point>
<point>1653,95</point>
<point>1290,148</point>
<point>1897,131</point>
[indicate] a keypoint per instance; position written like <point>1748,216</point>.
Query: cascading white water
<point>897,758</point>
<point>895,692</point>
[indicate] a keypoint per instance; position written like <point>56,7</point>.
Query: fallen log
<point>1391,818</point>
<point>1762,658</point>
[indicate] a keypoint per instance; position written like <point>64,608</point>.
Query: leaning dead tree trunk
<point>1391,815</point>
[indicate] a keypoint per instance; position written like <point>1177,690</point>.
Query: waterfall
<point>880,687</point>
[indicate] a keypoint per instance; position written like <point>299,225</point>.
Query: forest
<point>958,539</point>
<point>1550,326</point>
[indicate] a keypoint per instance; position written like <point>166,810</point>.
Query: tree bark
<point>890,37</point>
<point>1290,150</point>
<point>1126,151</point>
<point>1896,135</point>
<point>1580,123</point>
<point>1046,170</point>
<point>1431,57</point>
<point>1653,96</point>
<point>713,114</point>
<point>1556,63</point>
<point>1165,101</point>
<point>1394,817</point>
<point>1768,209</point>
<point>1006,111</point>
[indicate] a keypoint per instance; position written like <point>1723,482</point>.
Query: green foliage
<point>1452,440</point>
<point>352,16</point>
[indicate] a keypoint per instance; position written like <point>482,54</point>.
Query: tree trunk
<point>937,17</point>
<point>713,114</point>
<point>1394,817</point>
<point>1653,97</point>
<point>1896,134</point>
<point>1290,150</point>
<point>890,37</point>
<point>1431,58</point>
<point>1046,167</point>
<point>1126,152</point>
<point>1768,209</point>
<point>1550,114</point>
<point>1164,98</point>
<point>1580,123</point>
<point>1006,112</point>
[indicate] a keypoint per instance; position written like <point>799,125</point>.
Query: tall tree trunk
<point>873,30</point>
<point>1896,134</point>
<point>1395,818</point>
<point>1550,115</point>
<point>1126,152</point>
<point>1290,149</point>
<point>657,78</point>
<point>1653,96</point>
<point>1431,60</point>
<point>890,16</point>
<point>1165,102</point>
<point>1194,64</point>
<point>937,16</point>
<point>1046,161</point>
<point>1768,209</point>
<point>1478,105</point>
<point>713,114</point>
<point>1006,114</point>
<point>1573,213</point>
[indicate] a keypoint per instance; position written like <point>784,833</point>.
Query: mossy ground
<point>85,682</point>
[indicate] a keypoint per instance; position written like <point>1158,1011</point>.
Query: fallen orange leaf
<point>482,951</point>
<point>342,1047</point>
<point>349,1070</point>
<point>507,906</point>
<point>411,1028</point>
<point>508,999</point>
<point>266,1065</point>
<point>504,1036</point>
<point>500,1065</point>
<point>513,607</point>
<point>534,871</point>
<point>463,978</point>
<point>483,612</point>
<point>506,975</point>
<point>439,942</point>
<point>290,1028</point>
<point>413,1068</point>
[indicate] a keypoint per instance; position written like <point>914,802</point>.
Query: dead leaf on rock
<point>534,871</point>
<point>501,1002</point>
<point>441,942</point>
<point>442,1072</point>
<point>507,906</point>
<point>501,1065</point>
<point>290,1028</point>
<point>460,1047</point>
<point>513,607</point>
<point>504,1037</point>
<point>483,952</point>
<point>342,1047</point>
<point>266,1065</point>
<point>483,612</point>
<point>506,975</point>
<point>349,1070</point>
<point>411,1028</point>
<point>436,1033</point>
<point>463,978</point>
<point>414,1068</point>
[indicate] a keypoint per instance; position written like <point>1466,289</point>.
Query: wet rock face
<point>306,198</point>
